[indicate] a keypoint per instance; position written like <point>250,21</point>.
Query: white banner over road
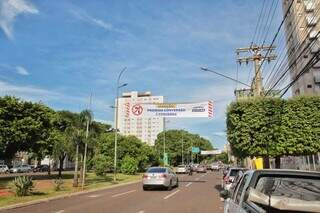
<point>211,152</point>
<point>178,110</point>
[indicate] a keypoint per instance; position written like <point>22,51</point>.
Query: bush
<point>129,165</point>
<point>58,184</point>
<point>102,164</point>
<point>23,185</point>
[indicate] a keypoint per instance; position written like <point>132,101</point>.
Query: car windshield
<point>301,188</point>
<point>156,170</point>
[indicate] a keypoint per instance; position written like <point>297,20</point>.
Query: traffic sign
<point>195,150</point>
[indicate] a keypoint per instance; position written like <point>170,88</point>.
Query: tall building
<point>145,129</point>
<point>301,27</point>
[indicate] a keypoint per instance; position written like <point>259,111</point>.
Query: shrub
<point>23,185</point>
<point>129,165</point>
<point>102,164</point>
<point>58,184</point>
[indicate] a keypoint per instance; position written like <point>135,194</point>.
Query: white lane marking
<point>170,195</point>
<point>197,178</point>
<point>94,196</point>
<point>124,193</point>
<point>61,211</point>
<point>142,211</point>
<point>188,184</point>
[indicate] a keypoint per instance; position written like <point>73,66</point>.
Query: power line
<point>256,28</point>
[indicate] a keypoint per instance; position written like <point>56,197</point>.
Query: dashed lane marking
<point>61,211</point>
<point>94,196</point>
<point>188,184</point>
<point>142,211</point>
<point>170,195</point>
<point>124,193</point>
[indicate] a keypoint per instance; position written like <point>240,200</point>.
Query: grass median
<point>44,186</point>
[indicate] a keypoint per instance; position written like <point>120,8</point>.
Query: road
<point>196,193</point>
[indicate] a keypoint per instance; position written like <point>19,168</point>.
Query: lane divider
<point>170,195</point>
<point>124,193</point>
<point>188,184</point>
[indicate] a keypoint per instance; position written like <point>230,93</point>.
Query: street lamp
<point>116,123</point>
<point>164,138</point>
<point>205,69</point>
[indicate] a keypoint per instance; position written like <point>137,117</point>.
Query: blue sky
<point>58,52</point>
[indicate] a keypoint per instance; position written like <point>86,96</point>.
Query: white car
<point>182,169</point>
<point>21,168</point>
<point>4,169</point>
<point>159,177</point>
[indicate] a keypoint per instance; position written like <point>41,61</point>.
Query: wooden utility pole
<point>258,54</point>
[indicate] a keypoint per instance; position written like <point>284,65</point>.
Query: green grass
<point>92,182</point>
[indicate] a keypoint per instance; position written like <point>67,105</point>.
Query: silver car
<point>182,169</point>
<point>159,177</point>
<point>4,169</point>
<point>21,168</point>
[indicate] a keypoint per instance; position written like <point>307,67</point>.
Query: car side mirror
<point>224,194</point>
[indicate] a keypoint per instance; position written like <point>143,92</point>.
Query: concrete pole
<point>257,79</point>
<point>164,140</point>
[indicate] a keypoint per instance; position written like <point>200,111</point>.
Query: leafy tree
<point>102,164</point>
<point>274,127</point>
<point>25,126</point>
<point>129,165</point>
<point>174,139</point>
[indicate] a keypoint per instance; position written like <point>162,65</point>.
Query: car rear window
<point>302,188</point>
<point>156,170</point>
<point>234,172</point>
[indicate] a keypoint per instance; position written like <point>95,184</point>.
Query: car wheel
<point>169,188</point>
<point>145,188</point>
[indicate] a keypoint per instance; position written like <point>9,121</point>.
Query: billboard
<point>211,152</point>
<point>178,110</point>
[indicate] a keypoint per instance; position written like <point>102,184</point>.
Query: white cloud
<point>22,70</point>
<point>9,10</point>
<point>84,16</point>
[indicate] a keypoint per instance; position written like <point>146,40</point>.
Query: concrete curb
<point>34,202</point>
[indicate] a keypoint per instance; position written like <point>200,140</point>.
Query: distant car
<point>159,177</point>
<point>229,177</point>
<point>4,169</point>
<point>274,190</point>
<point>182,169</point>
<point>41,168</point>
<point>201,169</point>
<point>215,167</point>
<point>20,168</point>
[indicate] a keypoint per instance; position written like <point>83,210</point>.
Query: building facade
<point>301,28</point>
<point>145,129</point>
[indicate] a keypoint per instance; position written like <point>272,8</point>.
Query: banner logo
<point>137,109</point>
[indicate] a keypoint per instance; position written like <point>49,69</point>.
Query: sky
<point>58,52</point>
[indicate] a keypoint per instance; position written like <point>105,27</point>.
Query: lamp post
<point>164,138</point>
<point>182,157</point>
<point>116,124</point>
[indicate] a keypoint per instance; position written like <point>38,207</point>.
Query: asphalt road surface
<point>196,194</point>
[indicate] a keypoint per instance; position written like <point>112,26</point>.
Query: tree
<point>129,165</point>
<point>102,164</point>
<point>274,127</point>
<point>174,139</point>
<point>25,126</point>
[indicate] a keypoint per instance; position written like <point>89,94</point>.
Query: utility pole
<point>258,53</point>
<point>86,144</point>
<point>164,141</point>
<point>182,159</point>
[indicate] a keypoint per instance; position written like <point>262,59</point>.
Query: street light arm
<point>232,79</point>
<point>124,69</point>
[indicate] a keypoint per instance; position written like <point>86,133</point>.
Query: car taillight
<point>163,175</point>
<point>226,179</point>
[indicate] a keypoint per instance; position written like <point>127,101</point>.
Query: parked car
<point>275,191</point>
<point>159,177</point>
<point>215,166</point>
<point>229,177</point>
<point>41,168</point>
<point>201,169</point>
<point>20,168</point>
<point>4,169</point>
<point>182,169</point>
